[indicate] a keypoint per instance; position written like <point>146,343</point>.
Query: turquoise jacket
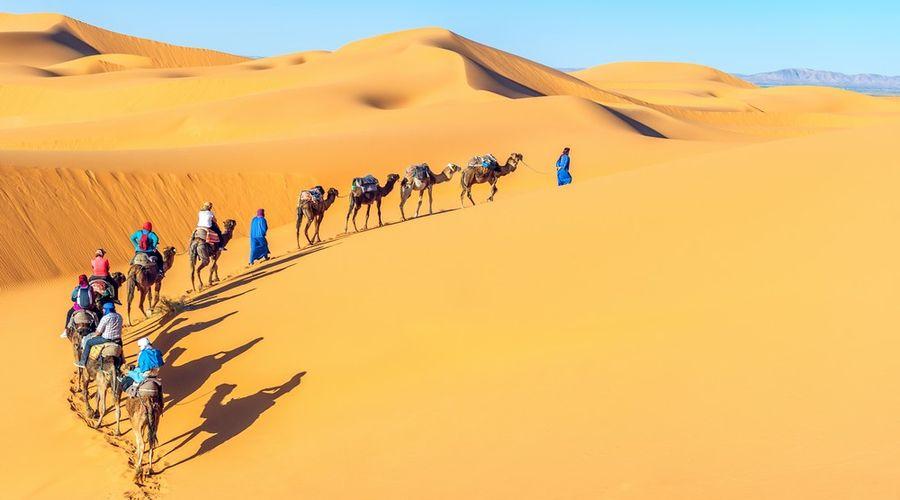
<point>148,359</point>
<point>152,239</point>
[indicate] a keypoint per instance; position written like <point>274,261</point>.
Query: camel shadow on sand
<point>226,420</point>
<point>185,379</point>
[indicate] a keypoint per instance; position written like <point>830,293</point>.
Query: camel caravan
<point>94,327</point>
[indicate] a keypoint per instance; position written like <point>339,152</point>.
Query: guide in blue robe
<point>259,246</point>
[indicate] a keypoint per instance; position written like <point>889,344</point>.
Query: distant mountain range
<point>798,76</point>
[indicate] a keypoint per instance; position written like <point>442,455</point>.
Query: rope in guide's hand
<point>535,170</point>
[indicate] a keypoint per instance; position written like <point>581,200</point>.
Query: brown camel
<point>207,252</point>
<point>477,174</point>
<point>147,280</point>
<point>358,198</point>
<point>144,411</point>
<point>315,212</point>
<point>117,278</point>
<point>412,183</point>
<point>105,370</point>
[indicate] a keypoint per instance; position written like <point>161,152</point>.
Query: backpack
<point>144,242</point>
<point>84,298</point>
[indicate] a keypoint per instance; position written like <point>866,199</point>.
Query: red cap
<point>148,226</point>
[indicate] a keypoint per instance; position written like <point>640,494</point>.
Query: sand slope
<point>706,313</point>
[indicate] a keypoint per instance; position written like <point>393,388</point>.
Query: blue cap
<point>109,306</point>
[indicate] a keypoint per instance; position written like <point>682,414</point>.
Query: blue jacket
<point>152,238</point>
<point>563,162</point>
<point>148,359</point>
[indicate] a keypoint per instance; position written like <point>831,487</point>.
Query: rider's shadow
<point>226,420</point>
<point>187,378</point>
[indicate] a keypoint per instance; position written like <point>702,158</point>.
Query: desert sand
<point>707,312</point>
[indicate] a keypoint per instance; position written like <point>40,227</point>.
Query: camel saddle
<point>419,172</point>
<point>144,260</point>
<point>150,387</point>
<point>484,163</point>
<point>367,184</point>
<point>83,317</point>
<point>310,195</point>
<point>99,285</point>
<point>106,350</point>
<point>207,235</point>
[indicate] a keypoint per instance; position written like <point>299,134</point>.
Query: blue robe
<point>563,176</point>
<point>259,247</point>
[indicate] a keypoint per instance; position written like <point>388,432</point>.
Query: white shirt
<point>205,218</point>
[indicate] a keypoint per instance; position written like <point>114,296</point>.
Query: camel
<point>315,212</point>
<point>118,278</point>
<point>144,411</point>
<point>410,183</point>
<point>105,370</point>
<point>206,253</point>
<point>147,280</point>
<point>476,174</point>
<point>358,198</point>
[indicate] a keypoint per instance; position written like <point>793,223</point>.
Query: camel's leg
<point>469,194</point>
<point>306,231</point>
<point>212,270</point>
<point>130,298</point>
<point>139,445</point>
<point>419,205</point>
<point>150,461</point>
<point>319,219</point>
<point>350,211</point>
<point>378,207</point>
<point>85,385</point>
<point>299,221</point>
<point>144,297</point>
<point>117,399</point>
<point>203,263</point>
<point>158,287</point>
<point>462,200</point>
<point>101,397</point>
<point>430,201</point>
<point>404,194</point>
<point>493,191</point>
<point>368,210</point>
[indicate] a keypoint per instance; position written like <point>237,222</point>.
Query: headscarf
<point>143,343</point>
<point>260,212</point>
<point>82,281</point>
<point>206,206</point>
<point>148,226</point>
<point>565,151</point>
<point>100,252</point>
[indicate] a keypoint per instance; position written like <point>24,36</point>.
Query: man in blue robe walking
<point>563,176</point>
<point>259,247</point>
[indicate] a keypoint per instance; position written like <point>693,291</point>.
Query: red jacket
<point>100,266</point>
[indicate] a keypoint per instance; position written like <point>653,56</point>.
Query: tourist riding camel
<point>146,275</point>
<point>313,204</point>
<point>100,272</point>
<point>206,219</point>
<point>420,178</point>
<point>144,403</point>
<point>145,242</point>
<point>204,249</point>
<point>82,299</point>
<point>485,169</point>
<point>108,330</point>
<point>365,191</point>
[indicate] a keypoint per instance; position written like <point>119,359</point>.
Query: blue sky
<point>752,37</point>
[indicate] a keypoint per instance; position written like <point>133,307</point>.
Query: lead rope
<point>536,170</point>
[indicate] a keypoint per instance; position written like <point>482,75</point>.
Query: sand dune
<point>706,312</point>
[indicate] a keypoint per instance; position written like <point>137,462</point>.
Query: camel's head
<point>453,167</point>
<point>118,278</point>
<point>392,178</point>
<point>229,225</point>
<point>515,158</point>
<point>333,192</point>
<point>168,254</point>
